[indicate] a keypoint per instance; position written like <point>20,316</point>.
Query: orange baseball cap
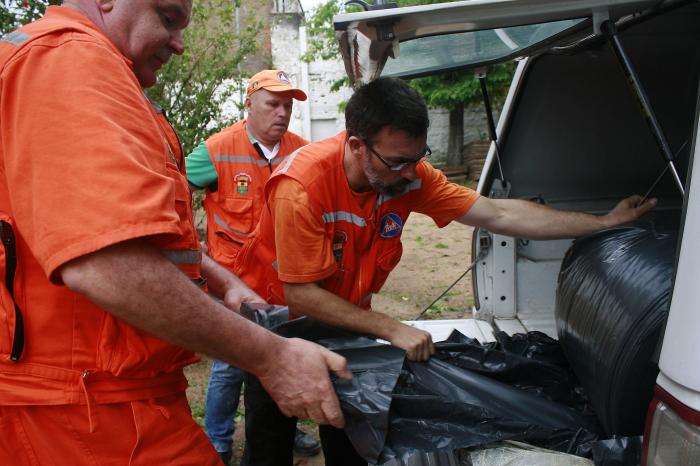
<point>273,81</point>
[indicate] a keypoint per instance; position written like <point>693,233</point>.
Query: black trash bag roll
<point>611,306</point>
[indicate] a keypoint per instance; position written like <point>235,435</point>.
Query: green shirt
<point>200,169</point>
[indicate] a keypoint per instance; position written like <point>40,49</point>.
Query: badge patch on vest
<point>390,225</point>
<point>340,239</point>
<point>242,181</point>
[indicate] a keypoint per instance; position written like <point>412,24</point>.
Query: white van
<point>604,95</point>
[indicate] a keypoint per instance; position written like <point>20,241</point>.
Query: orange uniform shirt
<point>318,230</point>
<point>84,165</point>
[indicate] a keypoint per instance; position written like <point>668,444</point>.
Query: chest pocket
<point>239,221</point>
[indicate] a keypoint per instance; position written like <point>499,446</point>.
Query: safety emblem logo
<point>390,225</point>
<point>283,77</point>
<point>340,239</point>
<point>242,181</point>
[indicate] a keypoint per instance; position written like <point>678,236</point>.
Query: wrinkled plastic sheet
<point>467,395</point>
<point>612,302</point>
<point>514,454</point>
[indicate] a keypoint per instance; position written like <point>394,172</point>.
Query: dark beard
<point>396,188</point>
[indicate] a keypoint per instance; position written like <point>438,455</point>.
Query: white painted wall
<point>326,118</point>
<point>285,56</point>
<point>319,117</point>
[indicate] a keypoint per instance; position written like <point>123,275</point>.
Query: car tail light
<point>672,434</point>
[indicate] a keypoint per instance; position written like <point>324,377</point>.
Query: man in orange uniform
<point>101,306</point>
<point>233,166</point>
<point>332,234</point>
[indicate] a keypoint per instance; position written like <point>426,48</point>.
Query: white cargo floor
<point>483,331</point>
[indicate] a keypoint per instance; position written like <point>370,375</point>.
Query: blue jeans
<point>222,403</point>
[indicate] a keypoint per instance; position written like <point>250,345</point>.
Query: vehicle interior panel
<point>610,153</point>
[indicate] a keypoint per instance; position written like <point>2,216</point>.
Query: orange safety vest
<point>233,209</point>
<point>73,352</point>
<point>366,249</point>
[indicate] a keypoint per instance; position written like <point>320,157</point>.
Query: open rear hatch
<point>444,37</point>
<point>571,133</point>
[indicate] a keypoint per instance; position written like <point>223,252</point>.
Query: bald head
<point>147,32</point>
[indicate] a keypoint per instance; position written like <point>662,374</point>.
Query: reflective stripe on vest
<point>412,186</point>
<point>248,159</point>
<point>343,216</point>
<point>182,256</point>
<point>278,160</point>
<point>16,38</point>
<point>290,159</point>
<point>223,224</point>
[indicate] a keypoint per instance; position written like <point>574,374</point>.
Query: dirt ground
<point>432,260</point>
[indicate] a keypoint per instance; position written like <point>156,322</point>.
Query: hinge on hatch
<point>385,31</point>
<point>600,16</point>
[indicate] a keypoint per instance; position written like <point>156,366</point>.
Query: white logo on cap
<point>283,77</point>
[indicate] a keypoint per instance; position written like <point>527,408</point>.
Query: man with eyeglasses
<point>332,234</point>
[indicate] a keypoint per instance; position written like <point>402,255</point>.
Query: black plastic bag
<point>612,303</point>
<point>395,408</point>
<point>532,362</point>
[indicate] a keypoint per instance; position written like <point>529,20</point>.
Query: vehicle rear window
<point>457,50</point>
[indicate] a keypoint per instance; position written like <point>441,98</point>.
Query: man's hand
<point>238,294</point>
<point>629,209</point>
<point>417,343</point>
<point>299,383</point>
<point>227,286</point>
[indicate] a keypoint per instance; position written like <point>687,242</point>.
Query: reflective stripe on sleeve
<point>16,38</point>
<point>182,256</point>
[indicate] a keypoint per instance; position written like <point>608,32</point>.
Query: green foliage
<point>198,411</point>
<point>14,13</point>
<point>450,90</point>
<point>319,27</point>
<point>193,88</point>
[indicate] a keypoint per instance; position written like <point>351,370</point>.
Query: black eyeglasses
<point>400,166</point>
